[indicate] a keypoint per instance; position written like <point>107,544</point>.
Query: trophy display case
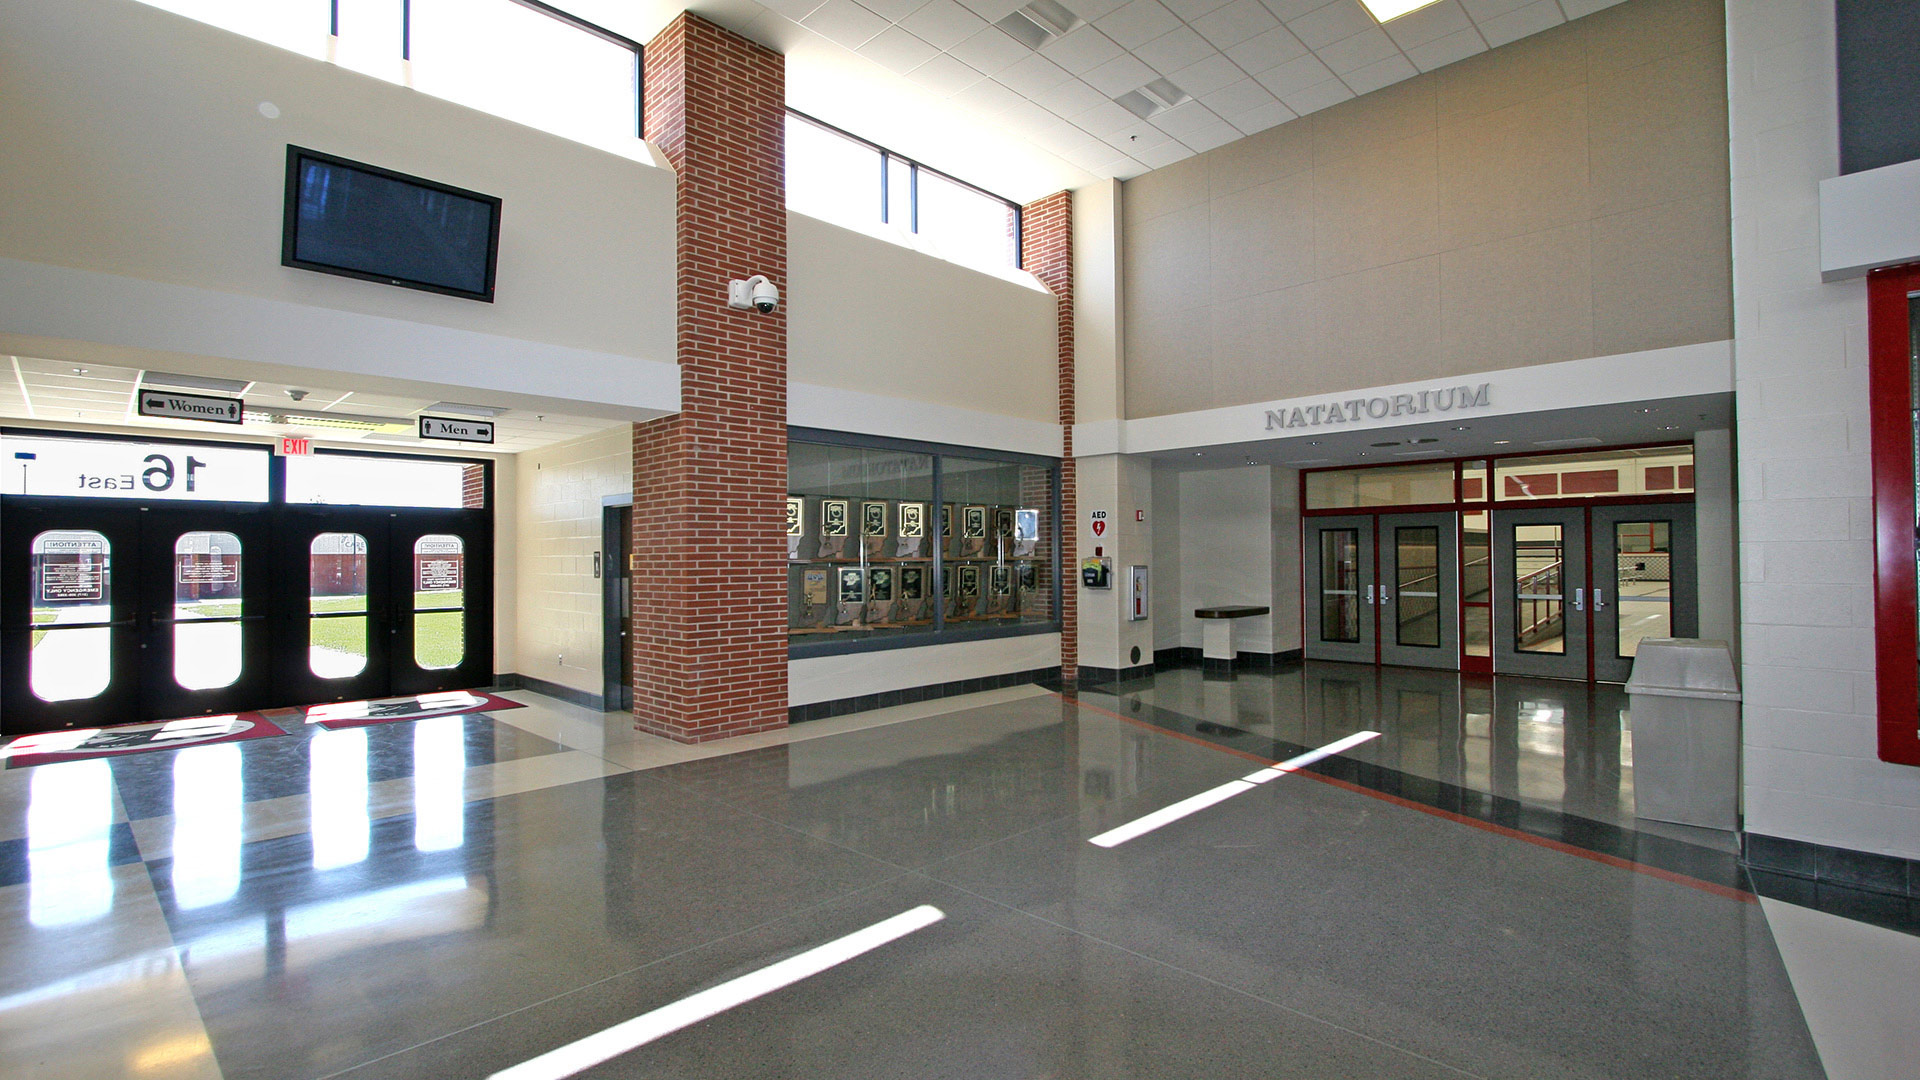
<point>889,542</point>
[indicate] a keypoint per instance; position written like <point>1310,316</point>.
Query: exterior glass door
<point>1341,589</point>
<point>204,613</point>
<point>69,616</point>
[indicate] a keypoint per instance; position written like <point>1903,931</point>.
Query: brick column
<point>709,483</point>
<point>1046,227</point>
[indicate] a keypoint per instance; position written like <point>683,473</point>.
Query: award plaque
<point>834,528</point>
<point>912,605</point>
<point>852,595</point>
<point>873,528</point>
<point>1000,590</point>
<point>966,592</point>
<point>796,508</point>
<point>912,527</point>
<point>807,607</point>
<point>1026,532</point>
<point>880,602</point>
<point>1026,583</point>
<point>973,532</point>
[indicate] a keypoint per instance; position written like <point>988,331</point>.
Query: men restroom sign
<point>454,429</point>
<point>1098,520</point>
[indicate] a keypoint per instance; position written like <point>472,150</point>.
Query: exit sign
<point>291,446</point>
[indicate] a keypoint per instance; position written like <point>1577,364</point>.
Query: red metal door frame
<point>1890,382</point>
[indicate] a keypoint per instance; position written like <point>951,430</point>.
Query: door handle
<point>1599,600</point>
<point>1383,594</point>
<point>1579,599</point>
<point>1370,599</point>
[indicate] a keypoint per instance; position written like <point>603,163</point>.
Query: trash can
<point>1686,733</point>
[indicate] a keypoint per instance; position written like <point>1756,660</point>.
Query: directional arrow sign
<point>456,430</point>
<point>214,410</point>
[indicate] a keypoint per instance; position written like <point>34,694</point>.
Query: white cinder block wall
<point>559,499</point>
<point>1812,771</point>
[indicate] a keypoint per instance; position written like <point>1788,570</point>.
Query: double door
<point>1576,589</point>
<point>113,613</point>
<point>1383,589</point>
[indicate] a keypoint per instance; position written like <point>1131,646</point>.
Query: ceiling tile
<point>1379,73</point>
<point>892,10</point>
<point>1243,96</point>
<point>1482,10</point>
<point>1091,9</point>
<point>943,24</point>
<point>1182,119</point>
<point>1032,75</point>
<point>1338,20</point>
<point>1430,23</point>
<point>898,50</point>
<point>845,22</point>
<point>1289,10</point>
<point>1116,77</point>
<point>1455,46</point>
<point>992,10</point>
<point>1189,10</point>
<point>1137,23</point>
<point>1267,50</point>
<point>1104,119</point>
<point>1294,76</point>
<point>1136,137</point>
<point>1082,50</point>
<point>1514,25</point>
<point>1207,76</point>
<point>1356,52</point>
<point>797,10</point>
<point>1070,98</point>
<point>943,74</point>
<point>1576,8</point>
<point>1235,23</point>
<point>1262,118</point>
<point>1171,52</point>
<point>1163,155</point>
<point>1217,134</point>
<point>1315,98</point>
<point>990,51</point>
<point>988,98</point>
<point>1096,158</point>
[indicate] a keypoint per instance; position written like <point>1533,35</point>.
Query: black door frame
<point>615,572</point>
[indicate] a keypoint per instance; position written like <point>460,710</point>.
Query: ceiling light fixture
<point>1156,97</point>
<point>194,382</point>
<point>1038,23</point>
<point>1388,10</point>
<point>464,409</point>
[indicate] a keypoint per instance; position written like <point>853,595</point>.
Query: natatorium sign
<point>1352,410</point>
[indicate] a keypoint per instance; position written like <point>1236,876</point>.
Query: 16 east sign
<point>1448,399</point>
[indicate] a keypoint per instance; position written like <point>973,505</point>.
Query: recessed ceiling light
<point>194,382</point>
<point>1650,408</point>
<point>1423,440</point>
<point>1462,427</point>
<point>1388,10</point>
<point>1313,442</point>
<point>1197,453</point>
<point>1384,444</point>
<point>1669,427</point>
<point>1501,442</point>
<point>79,371</point>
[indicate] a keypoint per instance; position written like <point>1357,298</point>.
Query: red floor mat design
<point>48,747</point>
<point>352,714</point>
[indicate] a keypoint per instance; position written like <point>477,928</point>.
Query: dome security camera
<point>754,294</point>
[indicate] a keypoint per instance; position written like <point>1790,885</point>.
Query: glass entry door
<point>1540,592</point>
<point>1645,582</point>
<point>1383,589</point>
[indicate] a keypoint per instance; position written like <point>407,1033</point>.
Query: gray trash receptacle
<point>1686,733</point>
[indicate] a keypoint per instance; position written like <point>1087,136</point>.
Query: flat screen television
<point>361,221</point>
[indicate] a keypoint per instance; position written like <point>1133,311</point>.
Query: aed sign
<point>214,410</point>
<point>129,469</point>
<point>456,430</point>
<point>1097,520</point>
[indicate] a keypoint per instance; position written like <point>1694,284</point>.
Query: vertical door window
<point>206,610</point>
<point>337,608</point>
<point>439,602</point>
<point>1340,585</point>
<point>1476,584</point>
<point>1416,559</point>
<point>72,615</point>
<point>1643,582</point>
<point>1539,571</point>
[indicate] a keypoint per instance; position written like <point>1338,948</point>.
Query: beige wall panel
<point>1523,300</point>
<point>1549,200</point>
<point>1373,208</point>
<point>557,526</point>
<point>1656,129</point>
<point>1662,275</point>
<point>1515,170</point>
<point>1263,238</point>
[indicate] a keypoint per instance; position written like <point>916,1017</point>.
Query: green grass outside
<point>439,635</point>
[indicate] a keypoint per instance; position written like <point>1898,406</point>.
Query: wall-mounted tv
<point>361,221</point>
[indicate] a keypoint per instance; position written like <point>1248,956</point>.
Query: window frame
<point>1890,293</point>
<point>941,633</point>
<point>914,168</point>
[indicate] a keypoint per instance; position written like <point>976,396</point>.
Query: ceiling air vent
<point>1156,97</point>
<point>1039,22</point>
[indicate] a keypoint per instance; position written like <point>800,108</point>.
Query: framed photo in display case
<point>873,527</point>
<point>852,595</point>
<point>834,528</point>
<point>973,532</point>
<point>912,605</point>
<point>966,598</point>
<point>880,602</point>
<point>911,524</point>
<point>999,590</point>
<point>796,515</point>
<point>809,608</point>
<point>1026,583</point>
<point>1026,532</point>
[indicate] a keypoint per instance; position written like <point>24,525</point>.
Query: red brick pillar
<point>709,483</point>
<point>1046,237</point>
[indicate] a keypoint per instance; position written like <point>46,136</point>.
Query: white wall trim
<point>44,301</point>
<point>829,407</point>
<point>1867,220</point>
<point>831,678</point>
<point>1682,371</point>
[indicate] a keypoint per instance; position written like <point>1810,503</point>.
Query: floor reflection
<point>69,843</point>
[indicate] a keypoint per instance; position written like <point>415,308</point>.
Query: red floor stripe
<point>1615,861</point>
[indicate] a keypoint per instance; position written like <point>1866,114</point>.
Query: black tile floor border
<point>1833,866</point>
<point>821,710</point>
<point>1188,657</point>
<point>1878,909</point>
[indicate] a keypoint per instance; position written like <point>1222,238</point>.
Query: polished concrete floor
<point>451,897</point>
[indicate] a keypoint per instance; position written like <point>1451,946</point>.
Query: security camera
<point>756,293</point>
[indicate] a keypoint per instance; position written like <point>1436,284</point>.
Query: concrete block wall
<point>1805,512</point>
<point>557,516</point>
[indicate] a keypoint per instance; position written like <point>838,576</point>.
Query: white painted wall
<point>558,511</point>
<point>1285,533</point>
<point>830,678</point>
<point>1120,486</point>
<point>1715,528</point>
<point>1867,220</point>
<point>137,154</point>
<point>1800,354</point>
<point>873,317</point>
<point>1226,551</point>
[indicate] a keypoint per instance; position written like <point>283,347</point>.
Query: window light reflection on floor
<point>69,843</point>
<point>337,798</point>
<point>207,807</point>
